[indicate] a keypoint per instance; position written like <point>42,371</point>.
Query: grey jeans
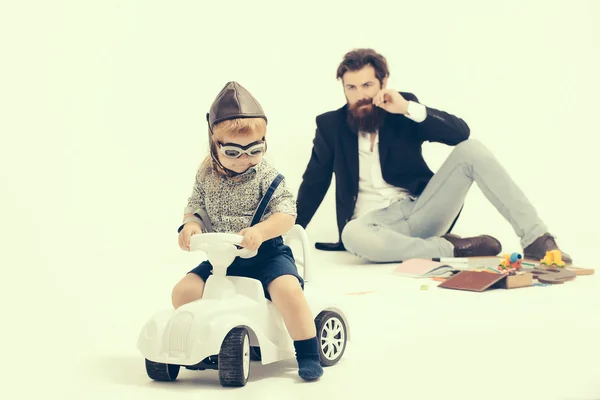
<point>412,228</point>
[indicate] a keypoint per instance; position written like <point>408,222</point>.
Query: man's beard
<point>364,119</point>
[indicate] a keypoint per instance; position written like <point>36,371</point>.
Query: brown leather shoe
<point>478,246</point>
<point>537,250</point>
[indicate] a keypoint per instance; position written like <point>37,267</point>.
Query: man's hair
<point>357,59</point>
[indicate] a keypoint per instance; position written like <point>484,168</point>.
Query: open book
<point>421,268</point>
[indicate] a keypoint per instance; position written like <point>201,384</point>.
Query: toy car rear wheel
<point>161,372</point>
<point>332,336</point>
<point>234,358</point>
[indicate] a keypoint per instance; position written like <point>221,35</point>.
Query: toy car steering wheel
<point>227,241</point>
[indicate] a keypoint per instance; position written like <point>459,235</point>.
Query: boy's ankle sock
<point>307,355</point>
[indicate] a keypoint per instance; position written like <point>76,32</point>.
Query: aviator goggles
<point>232,150</point>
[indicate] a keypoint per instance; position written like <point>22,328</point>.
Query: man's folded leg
<point>376,243</point>
<point>385,236</point>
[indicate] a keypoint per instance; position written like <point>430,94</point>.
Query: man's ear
<point>384,82</point>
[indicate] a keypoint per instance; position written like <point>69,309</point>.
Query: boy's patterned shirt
<point>230,203</point>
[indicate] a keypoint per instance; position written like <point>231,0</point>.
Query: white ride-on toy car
<point>234,322</point>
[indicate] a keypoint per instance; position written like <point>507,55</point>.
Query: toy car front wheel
<point>332,334</point>
<point>161,372</point>
<point>234,358</point>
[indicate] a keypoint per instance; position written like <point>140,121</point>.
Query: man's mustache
<point>363,102</point>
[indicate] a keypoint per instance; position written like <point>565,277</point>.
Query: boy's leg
<point>287,296</point>
<point>284,287</point>
<point>191,286</point>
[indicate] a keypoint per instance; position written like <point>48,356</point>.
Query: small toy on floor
<point>511,263</point>
<point>553,259</point>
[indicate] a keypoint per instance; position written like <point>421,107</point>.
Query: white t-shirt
<point>373,191</point>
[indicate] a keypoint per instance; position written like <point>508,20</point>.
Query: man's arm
<point>435,125</point>
<point>316,179</point>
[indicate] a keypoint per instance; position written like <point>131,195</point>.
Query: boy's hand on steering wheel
<point>190,228</point>
<point>253,238</point>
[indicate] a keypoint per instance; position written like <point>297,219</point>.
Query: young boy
<point>229,187</point>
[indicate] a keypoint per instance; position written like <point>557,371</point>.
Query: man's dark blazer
<point>335,150</point>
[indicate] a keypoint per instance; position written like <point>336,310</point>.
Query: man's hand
<point>391,101</point>
<point>191,228</point>
<point>253,238</point>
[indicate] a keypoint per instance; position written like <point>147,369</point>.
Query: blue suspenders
<point>265,200</point>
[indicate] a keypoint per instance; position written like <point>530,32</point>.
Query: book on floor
<point>423,268</point>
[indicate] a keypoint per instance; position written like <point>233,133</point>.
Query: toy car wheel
<point>332,335</point>
<point>234,358</point>
<point>161,372</point>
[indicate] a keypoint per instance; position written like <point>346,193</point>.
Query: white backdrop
<point>103,125</point>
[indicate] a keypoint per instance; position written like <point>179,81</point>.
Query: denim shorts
<point>274,259</point>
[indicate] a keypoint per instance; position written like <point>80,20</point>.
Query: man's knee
<point>470,146</point>
<point>360,239</point>
<point>352,233</point>
<point>470,150</point>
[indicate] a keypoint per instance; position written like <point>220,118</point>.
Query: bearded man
<point>390,206</point>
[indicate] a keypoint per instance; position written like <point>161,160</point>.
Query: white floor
<point>530,343</point>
